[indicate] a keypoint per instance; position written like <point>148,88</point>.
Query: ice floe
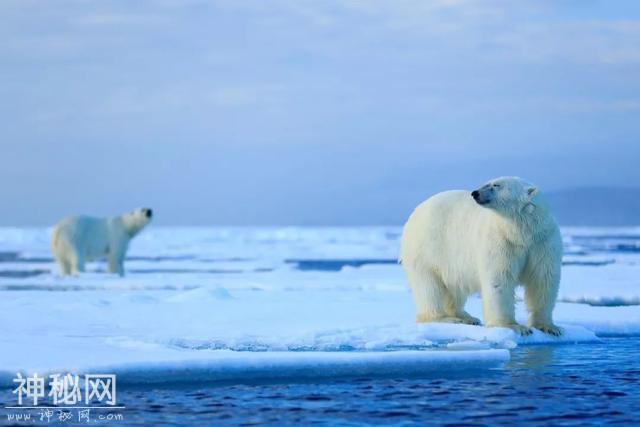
<point>272,302</point>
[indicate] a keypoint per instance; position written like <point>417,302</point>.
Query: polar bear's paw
<point>470,320</point>
<point>522,330</point>
<point>467,320</point>
<point>550,329</point>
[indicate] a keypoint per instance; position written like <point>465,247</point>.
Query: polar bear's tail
<point>55,239</point>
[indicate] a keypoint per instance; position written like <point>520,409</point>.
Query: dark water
<point>587,384</point>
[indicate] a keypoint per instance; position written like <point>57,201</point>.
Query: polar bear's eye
<point>496,185</point>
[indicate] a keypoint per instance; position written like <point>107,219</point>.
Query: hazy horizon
<point>308,113</point>
<point>577,206</point>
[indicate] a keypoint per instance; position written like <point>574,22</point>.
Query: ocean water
<point>542,385</point>
<point>583,384</point>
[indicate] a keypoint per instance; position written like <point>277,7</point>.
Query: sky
<point>303,112</point>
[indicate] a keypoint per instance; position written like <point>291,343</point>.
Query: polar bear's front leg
<point>498,305</point>
<point>116,260</point>
<point>116,264</point>
<point>116,252</point>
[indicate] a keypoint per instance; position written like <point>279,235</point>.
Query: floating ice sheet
<point>218,301</point>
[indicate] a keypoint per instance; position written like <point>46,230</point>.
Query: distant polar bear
<point>490,240</point>
<point>83,238</point>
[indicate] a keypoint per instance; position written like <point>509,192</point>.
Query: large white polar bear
<point>84,238</point>
<point>490,240</point>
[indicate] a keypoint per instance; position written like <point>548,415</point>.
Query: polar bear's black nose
<point>475,194</point>
<point>148,213</point>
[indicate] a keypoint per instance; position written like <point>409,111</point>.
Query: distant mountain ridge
<point>596,206</point>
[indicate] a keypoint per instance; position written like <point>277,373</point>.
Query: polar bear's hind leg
<point>77,262</point>
<point>61,256</point>
<point>64,266</point>
<point>434,302</point>
<point>455,306</point>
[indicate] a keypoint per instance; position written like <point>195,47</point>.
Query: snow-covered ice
<point>231,303</point>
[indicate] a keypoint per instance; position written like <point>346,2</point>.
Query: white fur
<point>79,239</point>
<point>452,246</point>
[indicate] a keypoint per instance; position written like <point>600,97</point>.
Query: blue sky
<point>305,112</point>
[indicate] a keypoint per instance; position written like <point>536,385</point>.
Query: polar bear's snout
<point>147,212</point>
<point>483,195</point>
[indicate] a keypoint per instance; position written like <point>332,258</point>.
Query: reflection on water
<point>537,357</point>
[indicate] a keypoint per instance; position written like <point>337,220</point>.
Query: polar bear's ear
<point>532,191</point>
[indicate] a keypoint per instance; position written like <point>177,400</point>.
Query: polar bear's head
<point>507,194</point>
<point>135,220</point>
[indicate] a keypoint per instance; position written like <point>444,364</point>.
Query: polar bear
<point>84,238</point>
<point>457,243</point>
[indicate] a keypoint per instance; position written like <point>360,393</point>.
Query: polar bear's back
<point>86,233</point>
<point>444,232</point>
